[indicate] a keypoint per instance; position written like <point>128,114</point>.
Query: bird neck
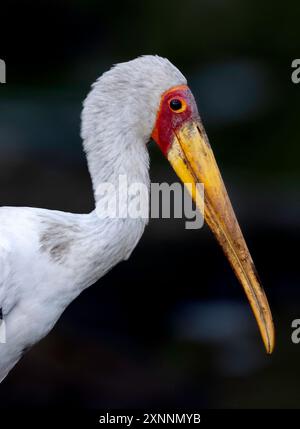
<point>114,141</point>
<point>111,239</point>
<point>116,162</point>
<point>114,138</point>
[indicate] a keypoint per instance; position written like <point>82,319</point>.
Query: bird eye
<point>177,105</point>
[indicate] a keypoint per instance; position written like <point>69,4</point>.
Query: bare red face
<point>177,107</point>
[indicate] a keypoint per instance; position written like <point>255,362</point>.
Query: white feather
<point>47,258</point>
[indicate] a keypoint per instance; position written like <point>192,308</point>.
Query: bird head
<point>149,97</point>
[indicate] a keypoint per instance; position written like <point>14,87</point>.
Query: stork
<point>47,258</point>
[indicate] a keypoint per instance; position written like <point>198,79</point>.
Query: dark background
<point>170,327</point>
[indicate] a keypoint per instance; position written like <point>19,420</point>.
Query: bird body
<point>47,258</point>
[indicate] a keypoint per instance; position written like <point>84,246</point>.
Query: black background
<point>170,327</point>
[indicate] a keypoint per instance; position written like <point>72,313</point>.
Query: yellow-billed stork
<point>47,258</point>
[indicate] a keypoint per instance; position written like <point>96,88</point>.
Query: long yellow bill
<point>193,161</point>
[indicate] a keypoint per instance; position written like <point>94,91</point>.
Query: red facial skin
<point>168,121</point>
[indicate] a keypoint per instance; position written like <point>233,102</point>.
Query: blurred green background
<point>152,333</point>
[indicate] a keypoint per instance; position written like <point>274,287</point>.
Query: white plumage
<point>47,258</point>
